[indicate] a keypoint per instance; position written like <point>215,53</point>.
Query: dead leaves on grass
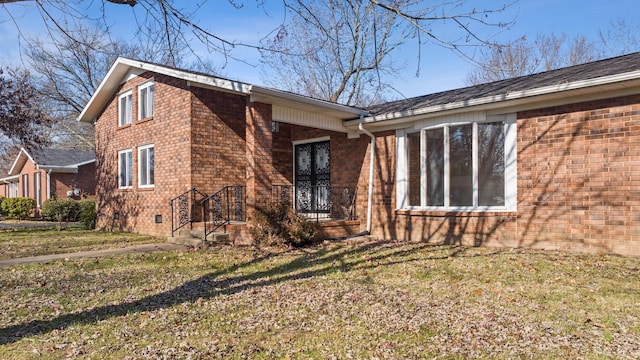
<point>332,301</point>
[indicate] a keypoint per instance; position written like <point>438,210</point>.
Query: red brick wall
<point>170,132</point>
<point>578,186</point>
<point>62,183</point>
<point>579,176</point>
<point>218,153</point>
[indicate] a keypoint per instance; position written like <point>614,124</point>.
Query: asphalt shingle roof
<point>58,157</point>
<point>592,70</point>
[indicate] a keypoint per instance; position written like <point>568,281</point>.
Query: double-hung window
<point>145,100</point>
<point>125,107</point>
<point>145,166</point>
<point>125,161</point>
<point>459,165</point>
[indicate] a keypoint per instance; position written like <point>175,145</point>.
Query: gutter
<point>69,169</point>
<point>371,163</point>
<point>514,98</point>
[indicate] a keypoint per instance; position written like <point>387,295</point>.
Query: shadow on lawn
<point>307,265</point>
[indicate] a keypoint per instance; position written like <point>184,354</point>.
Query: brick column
<point>259,154</point>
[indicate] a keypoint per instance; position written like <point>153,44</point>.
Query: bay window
<point>458,165</point>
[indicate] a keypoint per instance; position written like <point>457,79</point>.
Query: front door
<point>312,177</point>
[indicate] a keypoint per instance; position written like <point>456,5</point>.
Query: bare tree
<point>621,38</point>
<point>454,24</point>
<point>69,70</point>
<point>21,117</point>
<point>522,57</point>
<point>335,50</point>
<point>341,50</point>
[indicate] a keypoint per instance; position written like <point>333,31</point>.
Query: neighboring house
<point>44,173</point>
<point>549,160</point>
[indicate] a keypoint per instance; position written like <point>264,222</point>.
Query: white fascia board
<point>122,66</point>
<point>84,163</point>
<point>70,169</point>
<point>23,153</point>
<point>10,179</point>
<point>576,88</point>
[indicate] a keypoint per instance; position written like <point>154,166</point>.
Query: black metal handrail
<point>221,208</point>
<point>187,207</point>
<point>319,202</point>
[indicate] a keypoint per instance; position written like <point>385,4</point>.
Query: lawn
<point>374,300</point>
<point>23,242</point>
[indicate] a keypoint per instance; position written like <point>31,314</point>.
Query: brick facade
<point>169,130</point>
<point>577,167</point>
<point>60,185</point>
<point>200,139</point>
<point>578,180</point>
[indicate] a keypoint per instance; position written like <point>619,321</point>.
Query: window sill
<point>149,118</point>
<point>125,126</point>
<point>146,188</point>
<point>457,213</point>
<point>125,189</point>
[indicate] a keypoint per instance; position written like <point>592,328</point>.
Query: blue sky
<point>440,69</point>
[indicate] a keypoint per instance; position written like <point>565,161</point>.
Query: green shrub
<point>88,213</point>
<point>18,208</point>
<point>61,210</point>
<point>279,225</point>
<point>1,200</point>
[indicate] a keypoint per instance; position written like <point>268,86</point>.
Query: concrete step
<point>193,242</point>
<point>195,238</point>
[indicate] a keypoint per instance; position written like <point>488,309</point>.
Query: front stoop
<point>195,238</point>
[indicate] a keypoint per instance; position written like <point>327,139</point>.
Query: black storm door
<point>312,177</point>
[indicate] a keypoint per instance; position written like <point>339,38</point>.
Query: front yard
<point>28,240</point>
<point>339,300</point>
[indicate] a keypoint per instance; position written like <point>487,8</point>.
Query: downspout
<point>371,164</point>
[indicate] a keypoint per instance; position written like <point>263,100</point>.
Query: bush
<point>1,210</point>
<point>18,208</point>
<point>61,210</point>
<point>279,225</point>
<point>88,213</point>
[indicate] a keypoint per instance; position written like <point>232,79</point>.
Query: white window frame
<point>37,187</point>
<point>128,165</point>
<point>145,100</point>
<point>510,158</point>
<point>125,99</point>
<point>147,171</point>
<point>25,185</point>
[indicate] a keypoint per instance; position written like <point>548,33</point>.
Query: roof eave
<point>67,169</point>
<point>517,98</point>
<point>8,179</point>
<point>123,66</point>
<point>23,153</point>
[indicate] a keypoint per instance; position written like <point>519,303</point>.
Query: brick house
<point>45,173</point>
<point>545,161</point>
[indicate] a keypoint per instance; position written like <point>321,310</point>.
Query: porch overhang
<point>10,179</point>
<point>300,110</point>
